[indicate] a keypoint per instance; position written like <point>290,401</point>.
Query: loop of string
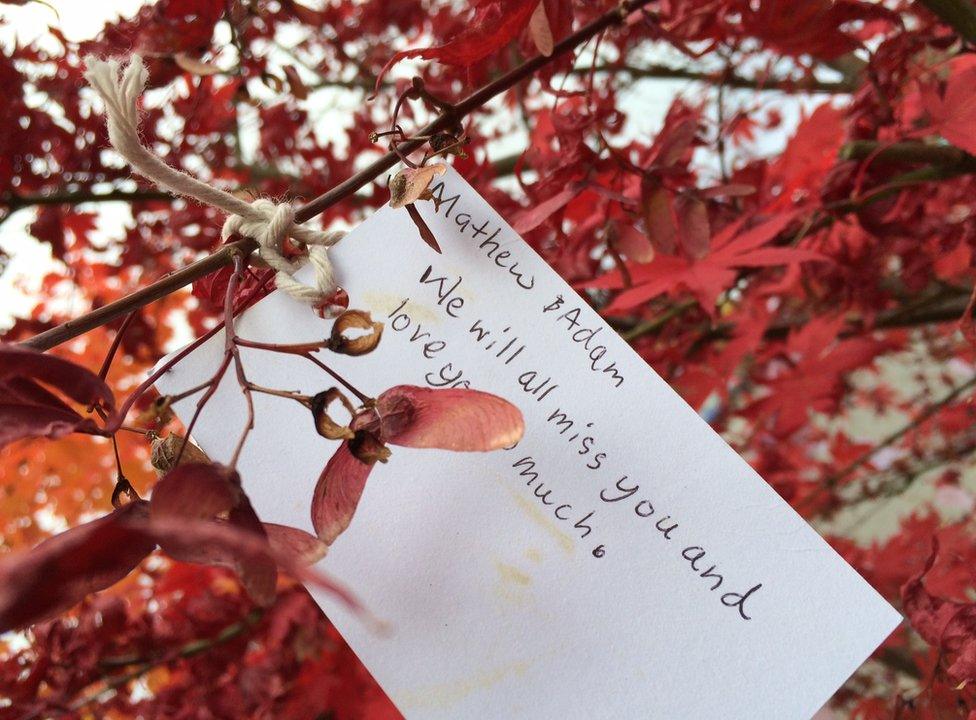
<point>267,222</point>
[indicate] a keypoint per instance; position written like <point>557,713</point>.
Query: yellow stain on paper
<point>512,575</point>
<point>446,695</point>
<point>513,584</point>
<point>562,539</point>
<point>383,302</point>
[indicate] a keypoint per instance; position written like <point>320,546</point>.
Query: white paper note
<point>516,583</point>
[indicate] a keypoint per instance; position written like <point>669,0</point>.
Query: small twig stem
<point>296,396</point>
<point>364,399</point>
<point>230,348</point>
<point>143,666</point>
<point>294,349</point>
<point>202,402</point>
<point>927,413</point>
<point>140,298</point>
<point>116,342</point>
<point>164,368</point>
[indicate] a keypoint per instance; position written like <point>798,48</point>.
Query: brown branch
<point>833,481</point>
<point>73,328</point>
<point>665,72</point>
<point>949,307</point>
<point>651,326</point>
<point>896,480</point>
<point>143,666</point>
<point>909,153</point>
<point>13,201</point>
<point>787,85</point>
<point>929,311</point>
<point>956,164</point>
<point>446,120</point>
<point>157,290</point>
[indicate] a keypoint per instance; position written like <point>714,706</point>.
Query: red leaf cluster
<point>945,624</point>
<point>29,409</point>
<point>494,25</point>
<point>63,570</point>
<point>198,513</point>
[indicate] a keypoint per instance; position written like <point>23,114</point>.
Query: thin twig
<point>13,201</point>
<point>230,347</point>
<point>304,350</point>
<point>928,412</point>
<point>363,398</point>
<point>245,302</point>
<point>116,342</point>
<point>732,80</point>
<point>187,651</point>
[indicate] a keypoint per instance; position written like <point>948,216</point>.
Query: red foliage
<point>493,26</point>
<point>27,409</point>
<point>794,266</point>
<point>66,568</point>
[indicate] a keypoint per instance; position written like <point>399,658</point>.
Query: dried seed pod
<point>357,344</point>
<point>442,140</point>
<point>449,144</point>
<point>368,448</point>
<point>158,413</point>
<point>165,451</point>
<point>410,184</point>
<point>325,425</point>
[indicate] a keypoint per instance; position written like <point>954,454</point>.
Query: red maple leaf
<point>495,24</point>
<point>707,276</point>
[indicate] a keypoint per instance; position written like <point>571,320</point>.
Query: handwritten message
<point>505,345</point>
<point>621,532</point>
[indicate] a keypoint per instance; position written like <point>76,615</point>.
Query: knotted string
<point>267,222</point>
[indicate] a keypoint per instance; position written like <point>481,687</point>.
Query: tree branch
<point>904,316</point>
<point>157,290</point>
<point>73,328</point>
<point>665,72</point>
<point>187,651</point>
<point>931,311</point>
<point>909,152</point>
<point>927,412</point>
<point>14,201</point>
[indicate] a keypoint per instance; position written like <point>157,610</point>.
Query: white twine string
<point>265,221</point>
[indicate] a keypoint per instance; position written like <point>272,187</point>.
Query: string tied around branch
<point>275,223</point>
<point>263,220</point>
